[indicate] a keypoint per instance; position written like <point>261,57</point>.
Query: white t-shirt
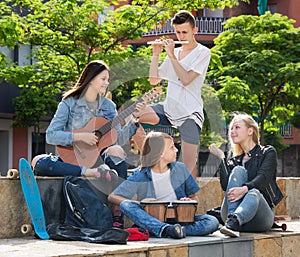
<point>183,102</point>
<point>163,187</point>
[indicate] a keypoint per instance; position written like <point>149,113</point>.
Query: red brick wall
<point>20,145</point>
<point>295,140</point>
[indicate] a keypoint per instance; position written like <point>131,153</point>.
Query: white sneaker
<point>229,232</point>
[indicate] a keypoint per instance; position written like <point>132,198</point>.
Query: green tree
<point>260,58</point>
<point>66,34</point>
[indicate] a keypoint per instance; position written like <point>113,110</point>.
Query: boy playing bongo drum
<point>161,178</point>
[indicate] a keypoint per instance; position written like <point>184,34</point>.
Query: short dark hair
<point>183,17</point>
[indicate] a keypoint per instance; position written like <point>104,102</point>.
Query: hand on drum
<point>185,199</point>
<point>149,200</point>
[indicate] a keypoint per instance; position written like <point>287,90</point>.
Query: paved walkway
<point>29,246</point>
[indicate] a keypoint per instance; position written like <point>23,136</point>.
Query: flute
<point>161,42</point>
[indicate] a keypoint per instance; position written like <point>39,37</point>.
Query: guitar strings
<point>114,122</point>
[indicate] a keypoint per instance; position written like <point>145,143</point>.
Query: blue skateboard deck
<point>33,199</point>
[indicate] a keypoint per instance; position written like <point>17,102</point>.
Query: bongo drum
<point>156,209</point>
<point>185,211</point>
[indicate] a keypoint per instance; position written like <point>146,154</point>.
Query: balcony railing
<point>286,131</point>
<point>206,25</point>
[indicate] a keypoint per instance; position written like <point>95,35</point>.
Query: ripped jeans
<point>253,211</point>
<point>53,166</point>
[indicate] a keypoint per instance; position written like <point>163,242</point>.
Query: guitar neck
<point>118,119</point>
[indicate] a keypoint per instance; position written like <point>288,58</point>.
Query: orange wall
<point>20,145</point>
<point>290,8</point>
<point>294,11</point>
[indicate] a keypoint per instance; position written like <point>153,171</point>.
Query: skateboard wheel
<point>12,173</point>
<point>283,227</point>
<point>26,229</point>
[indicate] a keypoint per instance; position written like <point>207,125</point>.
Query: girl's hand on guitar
<point>86,137</point>
<point>139,109</point>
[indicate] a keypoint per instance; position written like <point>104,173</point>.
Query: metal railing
<point>286,131</point>
<point>206,25</point>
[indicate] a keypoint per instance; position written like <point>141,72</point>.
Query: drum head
<point>190,202</point>
<point>155,202</point>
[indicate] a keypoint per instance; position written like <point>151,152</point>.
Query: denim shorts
<point>189,130</point>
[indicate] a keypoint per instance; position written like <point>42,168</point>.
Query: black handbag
<point>65,232</point>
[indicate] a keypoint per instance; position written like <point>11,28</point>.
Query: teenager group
<point>248,177</point>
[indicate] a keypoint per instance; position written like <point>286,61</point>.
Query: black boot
<point>231,227</point>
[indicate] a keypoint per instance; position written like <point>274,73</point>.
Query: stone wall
<point>211,195</point>
<point>13,211</point>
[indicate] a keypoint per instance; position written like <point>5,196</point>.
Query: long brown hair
<point>153,148</point>
<point>236,149</point>
<point>90,71</point>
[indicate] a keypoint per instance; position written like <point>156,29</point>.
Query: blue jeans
<point>53,166</point>
<point>253,211</point>
<point>203,225</point>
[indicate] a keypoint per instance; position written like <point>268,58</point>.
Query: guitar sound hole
<point>98,134</point>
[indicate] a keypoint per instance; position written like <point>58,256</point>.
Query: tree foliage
<point>66,34</point>
<point>260,58</point>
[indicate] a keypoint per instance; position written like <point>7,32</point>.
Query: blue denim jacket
<point>141,184</point>
<point>72,114</point>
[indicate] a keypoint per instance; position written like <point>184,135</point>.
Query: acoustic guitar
<point>83,154</point>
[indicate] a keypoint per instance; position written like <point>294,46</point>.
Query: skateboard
<point>32,199</point>
<point>283,226</point>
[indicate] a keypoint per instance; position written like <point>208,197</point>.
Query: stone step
<point>274,243</point>
<point>13,211</point>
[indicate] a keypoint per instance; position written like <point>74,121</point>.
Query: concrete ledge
<point>275,243</point>
<point>13,211</point>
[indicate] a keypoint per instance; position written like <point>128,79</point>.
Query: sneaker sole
<point>226,231</point>
<point>180,232</point>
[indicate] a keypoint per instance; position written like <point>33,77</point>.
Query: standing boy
<point>185,69</point>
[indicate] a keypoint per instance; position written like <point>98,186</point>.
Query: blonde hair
<point>153,148</point>
<point>236,149</point>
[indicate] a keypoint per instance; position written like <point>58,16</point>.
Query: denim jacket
<point>261,168</point>
<point>140,183</point>
<point>73,114</point>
